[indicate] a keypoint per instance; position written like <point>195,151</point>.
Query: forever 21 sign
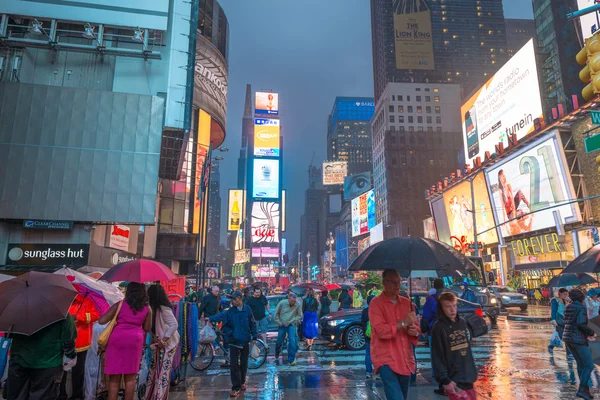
<point>29,254</point>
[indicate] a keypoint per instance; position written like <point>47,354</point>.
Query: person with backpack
<point>366,325</point>
<point>429,317</point>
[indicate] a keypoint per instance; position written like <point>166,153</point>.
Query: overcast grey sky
<point>309,51</point>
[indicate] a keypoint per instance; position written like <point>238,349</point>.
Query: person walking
<point>557,314</point>
<point>288,315</point>
<point>190,295</point>
<point>345,300</point>
<point>576,336</point>
<point>260,309</point>
<point>357,299</point>
<point>37,361</point>
<point>368,332</point>
<point>210,303</point>
<point>325,301</point>
<point>239,329</point>
<point>451,357</point>
<point>246,295</point>
<point>165,339</point>
<point>394,331</point>
<point>84,313</point>
<point>126,342</point>
<point>310,321</point>
<point>429,317</point>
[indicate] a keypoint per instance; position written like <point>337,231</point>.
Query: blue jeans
<point>585,363</point>
<point>394,385</point>
<point>292,334</point>
<point>429,341</point>
<point>368,363</point>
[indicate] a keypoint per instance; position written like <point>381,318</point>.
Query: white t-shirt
<point>592,306</point>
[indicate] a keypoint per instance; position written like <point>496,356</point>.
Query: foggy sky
<point>308,51</point>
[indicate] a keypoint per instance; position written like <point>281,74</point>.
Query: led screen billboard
<point>523,186</point>
<point>234,209</point>
<point>363,213</point>
<point>412,34</point>
<point>266,103</point>
<point>508,103</point>
<point>334,172</point>
<point>265,252</point>
<point>355,185</point>
<point>429,228</point>
<point>266,137</point>
<point>266,179</point>
<point>265,222</point>
<point>590,22</point>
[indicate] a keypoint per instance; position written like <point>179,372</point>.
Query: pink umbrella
<point>139,271</point>
<point>96,296</point>
<point>332,286</point>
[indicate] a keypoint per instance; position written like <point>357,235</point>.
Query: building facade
<point>467,41</point>
<point>313,226</point>
<point>213,232</point>
<point>417,139</point>
<point>518,32</point>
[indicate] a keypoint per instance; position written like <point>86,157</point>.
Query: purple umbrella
<point>96,296</point>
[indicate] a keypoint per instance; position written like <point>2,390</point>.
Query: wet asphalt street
<point>513,362</point>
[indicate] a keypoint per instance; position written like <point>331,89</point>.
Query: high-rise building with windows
<point>467,41</point>
<point>349,133</point>
<point>213,230</point>
<point>518,32</point>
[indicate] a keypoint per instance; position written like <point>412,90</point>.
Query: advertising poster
<point>429,228</point>
<point>265,222</point>
<point>234,209</point>
<point>266,179</point>
<point>119,237</point>
<point>283,210</point>
<point>241,256</point>
<point>355,185</point>
<point>530,181</point>
<point>371,209</point>
<point>412,35</point>
<point>266,137</point>
<point>508,103</point>
<point>204,121</point>
<point>334,172</point>
<point>589,22</point>
<point>355,216</point>
<point>458,205</point>
<point>363,213</point>
<point>266,103</point>
<point>376,233</point>
<point>363,219</point>
<point>363,244</point>
<point>265,252</point>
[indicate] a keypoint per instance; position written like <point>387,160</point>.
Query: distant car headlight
<point>335,322</point>
<point>506,298</point>
<point>493,300</point>
<point>524,297</point>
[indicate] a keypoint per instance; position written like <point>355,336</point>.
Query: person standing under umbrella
<point>557,314</point>
<point>325,304</point>
<point>126,342</point>
<point>85,314</point>
<point>310,322</point>
<point>345,300</point>
<point>37,361</point>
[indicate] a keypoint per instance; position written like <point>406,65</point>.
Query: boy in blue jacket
<point>239,328</point>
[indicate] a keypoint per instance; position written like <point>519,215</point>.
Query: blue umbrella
<point>571,280</point>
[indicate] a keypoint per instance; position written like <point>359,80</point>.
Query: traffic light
<point>590,55</point>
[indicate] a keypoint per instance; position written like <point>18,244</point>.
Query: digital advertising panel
<point>266,137</point>
<point>265,222</point>
<point>334,172</point>
<point>283,209</point>
<point>589,22</point>
<point>376,233</point>
<point>523,186</point>
<point>265,252</point>
<point>266,103</point>
<point>355,207</point>
<point>363,244</point>
<point>509,102</point>
<point>355,185</point>
<point>234,209</point>
<point>458,210</point>
<point>266,179</point>
<point>429,228</point>
<point>413,37</point>
<point>363,213</point>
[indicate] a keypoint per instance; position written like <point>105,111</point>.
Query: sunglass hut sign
<point>47,254</point>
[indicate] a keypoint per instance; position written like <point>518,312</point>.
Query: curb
<point>528,319</point>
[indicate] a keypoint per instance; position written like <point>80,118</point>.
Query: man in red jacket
<point>85,314</point>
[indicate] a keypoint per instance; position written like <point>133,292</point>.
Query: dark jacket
<point>365,320</point>
<point>576,329</point>
<point>469,295</point>
<point>554,315</point>
<point>429,313</point>
<point>310,304</point>
<point>451,356</point>
<point>239,327</point>
<point>325,305</point>
<point>210,305</point>
<point>345,300</point>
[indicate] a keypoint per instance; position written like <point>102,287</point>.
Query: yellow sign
<point>414,41</point>
<point>266,137</point>
<point>204,122</point>
<point>234,214</point>
<point>533,246</point>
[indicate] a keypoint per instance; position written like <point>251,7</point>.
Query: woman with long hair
<point>310,322</point>
<point>510,205</point>
<point>126,342</point>
<point>165,340</point>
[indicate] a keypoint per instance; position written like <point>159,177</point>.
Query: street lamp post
<point>308,264</point>
<point>329,242</point>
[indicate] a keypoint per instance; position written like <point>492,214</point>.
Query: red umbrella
<point>332,286</point>
<point>139,271</point>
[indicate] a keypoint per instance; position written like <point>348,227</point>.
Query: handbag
<point>254,351</point>
<point>105,334</point>
<point>555,340</point>
<point>478,326</point>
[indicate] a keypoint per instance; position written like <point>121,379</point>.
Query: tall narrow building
<point>213,238</point>
<point>518,32</point>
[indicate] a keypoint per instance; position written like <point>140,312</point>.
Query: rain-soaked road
<point>513,364</point>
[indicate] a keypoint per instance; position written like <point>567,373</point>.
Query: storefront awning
<point>557,264</point>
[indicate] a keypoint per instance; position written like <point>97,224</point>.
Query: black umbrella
<point>407,254</point>
<point>586,262</point>
<point>569,279</point>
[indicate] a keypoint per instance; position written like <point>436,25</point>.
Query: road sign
<point>595,117</point>
<point>592,143</point>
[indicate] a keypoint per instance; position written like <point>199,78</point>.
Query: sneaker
<point>293,363</point>
<point>550,349</point>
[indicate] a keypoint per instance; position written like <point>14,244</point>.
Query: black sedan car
<point>345,327</point>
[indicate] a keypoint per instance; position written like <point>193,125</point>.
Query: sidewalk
<point>533,313</point>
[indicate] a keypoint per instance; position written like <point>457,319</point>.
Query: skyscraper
<point>313,225</point>
<point>437,41</point>
<point>518,32</point>
<point>349,133</point>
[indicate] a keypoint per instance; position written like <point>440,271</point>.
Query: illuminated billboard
<point>265,222</point>
<point>204,123</point>
<point>355,185</point>
<point>266,137</point>
<point>429,229</point>
<point>334,172</point>
<point>234,209</point>
<point>412,34</point>
<point>363,213</point>
<point>523,186</point>
<point>454,219</point>
<point>508,103</point>
<point>266,179</point>
<point>266,103</point>
<point>283,200</point>
<point>590,22</point>
<point>265,252</point>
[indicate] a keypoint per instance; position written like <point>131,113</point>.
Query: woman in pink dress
<point>126,342</point>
